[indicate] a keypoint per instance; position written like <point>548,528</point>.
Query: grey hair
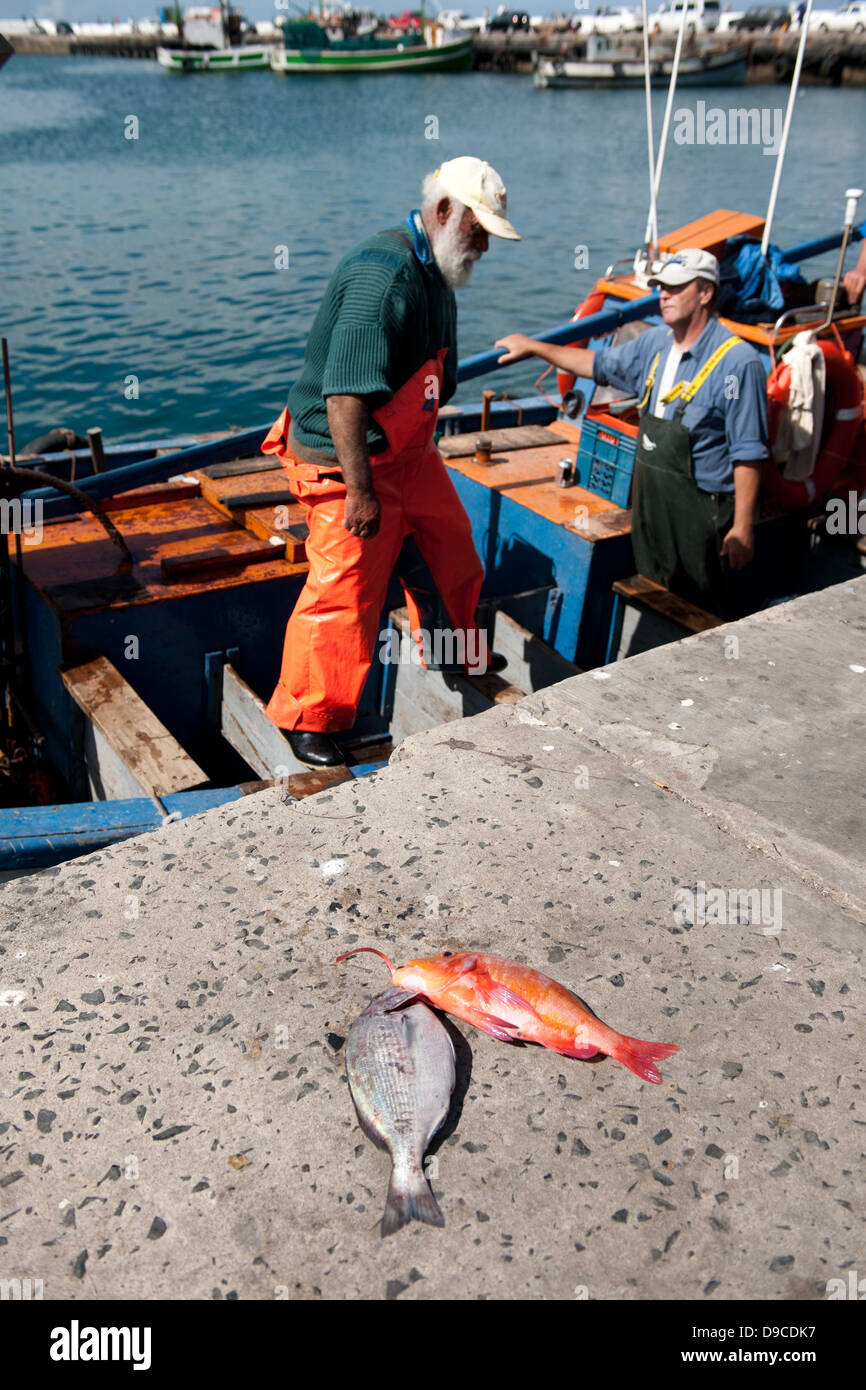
<point>432,191</point>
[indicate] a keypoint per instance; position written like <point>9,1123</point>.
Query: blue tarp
<point>751,287</point>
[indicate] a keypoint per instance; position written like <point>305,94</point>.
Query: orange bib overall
<point>332,631</point>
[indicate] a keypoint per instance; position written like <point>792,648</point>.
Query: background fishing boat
<point>618,62</point>
<point>309,48</point>
<point>214,39</point>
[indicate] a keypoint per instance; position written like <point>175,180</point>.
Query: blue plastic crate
<point>605,458</point>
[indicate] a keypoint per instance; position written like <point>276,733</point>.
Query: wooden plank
<point>532,664</point>
<point>125,744</point>
<point>518,437</point>
<point>249,501</point>
<point>235,468</point>
<point>645,593</point>
<point>710,233</point>
<point>220,491</point>
<point>316,779</point>
<point>249,731</point>
<point>149,496</point>
<point>217,560</point>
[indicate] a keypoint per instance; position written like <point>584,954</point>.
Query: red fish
<point>513,1002</point>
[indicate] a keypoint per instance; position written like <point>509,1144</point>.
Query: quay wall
<point>830,59</point>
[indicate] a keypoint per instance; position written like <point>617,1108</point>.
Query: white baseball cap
<point>686,265</point>
<point>476,184</point>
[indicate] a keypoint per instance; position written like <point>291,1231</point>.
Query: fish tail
<point>410,1199</point>
<point>640,1056</point>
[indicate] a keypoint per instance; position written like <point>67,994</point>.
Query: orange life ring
<point>593,303</point>
<point>844,406</point>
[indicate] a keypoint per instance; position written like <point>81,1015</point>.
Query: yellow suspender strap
<point>649,381</point>
<point>690,390</point>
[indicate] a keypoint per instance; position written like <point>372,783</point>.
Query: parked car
<point>614,19</point>
<point>763,17</point>
<point>849,19</point>
<point>508,21</point>
<point>702,16</point>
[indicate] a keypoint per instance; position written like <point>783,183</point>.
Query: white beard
<point>454,258</point>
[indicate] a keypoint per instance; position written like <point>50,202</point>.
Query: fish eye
<point>447,953</point>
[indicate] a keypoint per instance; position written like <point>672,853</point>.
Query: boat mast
<point>668,110</point>
<point>780,160</point>
<point>651,237</point>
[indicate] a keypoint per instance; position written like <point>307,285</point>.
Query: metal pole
<point>670,101</point>
<point>651,238</point>
<point>853,196</point>
<point>10,426</point>
<point>780,158</point>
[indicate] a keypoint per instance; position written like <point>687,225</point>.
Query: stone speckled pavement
<point>175,1117</point>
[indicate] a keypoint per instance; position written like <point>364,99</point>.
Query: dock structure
<point>830,59</point>
<point>677,837</point>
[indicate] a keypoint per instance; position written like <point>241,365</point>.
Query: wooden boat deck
<point>184,537</point>
<point>528,477</point>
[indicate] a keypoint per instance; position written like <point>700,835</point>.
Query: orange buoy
<point>844,410</point>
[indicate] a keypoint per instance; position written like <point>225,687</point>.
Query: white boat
<point>613,62</point>
<point>216,36</point>
<point>253,55</point>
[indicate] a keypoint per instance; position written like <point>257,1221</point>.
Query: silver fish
<point>401,1074</point>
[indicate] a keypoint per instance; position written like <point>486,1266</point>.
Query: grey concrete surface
<point>175,1119</point>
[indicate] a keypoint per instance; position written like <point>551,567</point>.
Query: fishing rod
<point>789,114</point>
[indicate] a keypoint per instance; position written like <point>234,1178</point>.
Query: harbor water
<point>165,241</point>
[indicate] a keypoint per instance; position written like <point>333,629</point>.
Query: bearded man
<point>356,440</point>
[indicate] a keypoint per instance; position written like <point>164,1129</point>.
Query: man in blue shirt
<point>703,434</point>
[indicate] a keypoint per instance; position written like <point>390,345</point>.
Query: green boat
<point>308,47</point>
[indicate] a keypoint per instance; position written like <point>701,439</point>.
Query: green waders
<point>677,528</point>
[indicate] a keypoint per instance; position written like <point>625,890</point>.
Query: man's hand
<point>518,345</point>
<point>739,546</point>
<point>361,513</point>
<point>854,284</point>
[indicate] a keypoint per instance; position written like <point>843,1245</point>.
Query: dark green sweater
<point>385,312</point>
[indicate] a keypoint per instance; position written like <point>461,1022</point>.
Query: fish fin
<point>570,1050</point>
<point>500,994</point>
<point>414,1203</point>
<point>488,1023</point>
<point>638,1055</point>
<point>404,1003</point>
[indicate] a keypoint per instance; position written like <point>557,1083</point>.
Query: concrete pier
<point>678,838</point>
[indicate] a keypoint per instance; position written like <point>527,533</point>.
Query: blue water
<point>154,258</point>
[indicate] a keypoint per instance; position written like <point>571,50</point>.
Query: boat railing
<point>623,260</point>
<point>790,314</point>
<point>142,474</point>
<point>593,326</point>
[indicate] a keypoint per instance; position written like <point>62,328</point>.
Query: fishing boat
<point>617,62</point>
<point>213,40</point>
<point>310,48</point>
<point>143,627</point>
